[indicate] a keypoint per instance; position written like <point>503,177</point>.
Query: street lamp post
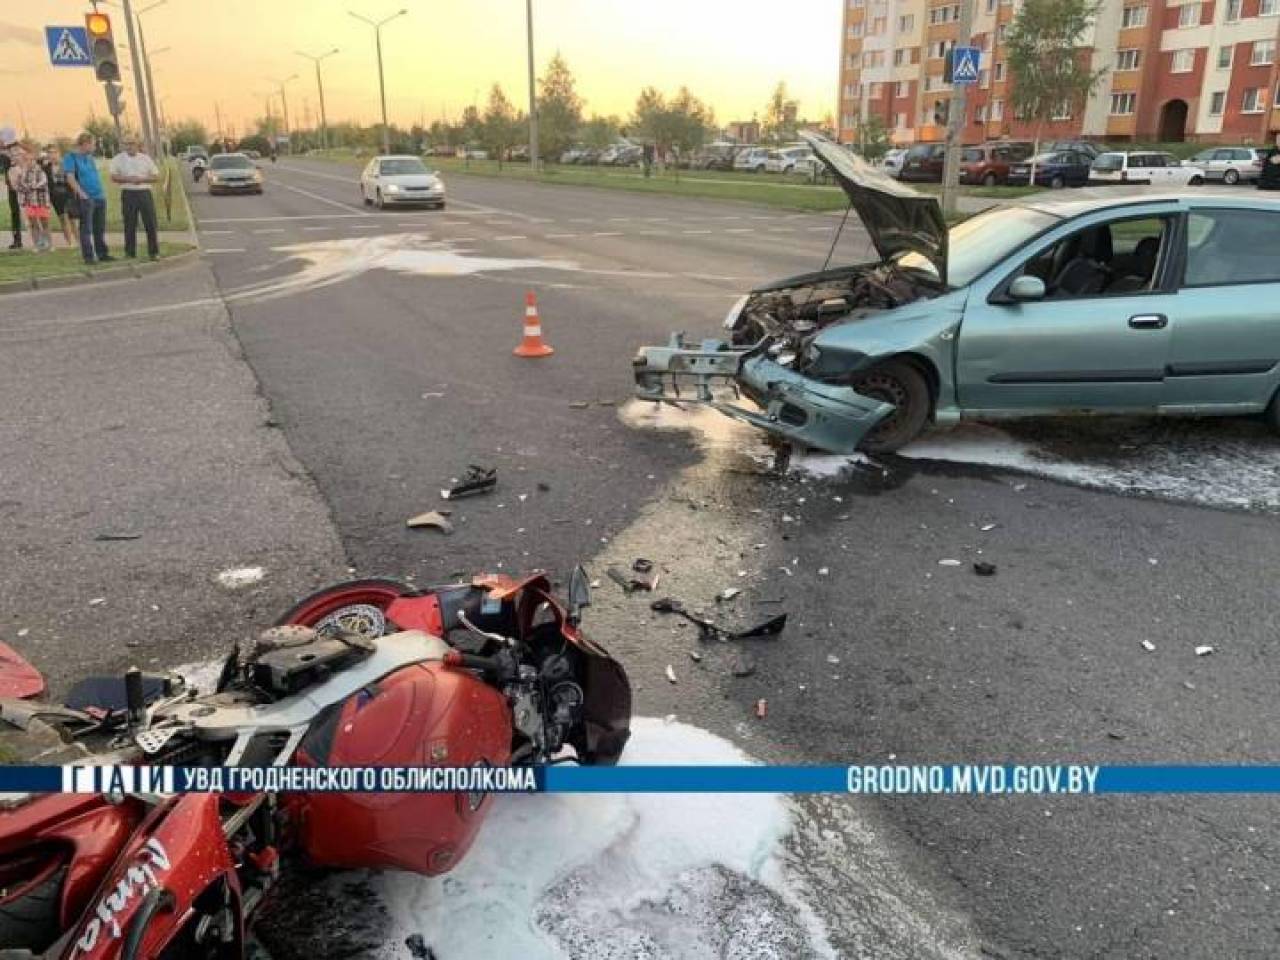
<point>139,89</point>
<point>533,95</point>
<point>324,121</point>
<point>158,122</point>
<point>155,144</point>
<point>382,89</point>
<point>284,108</point>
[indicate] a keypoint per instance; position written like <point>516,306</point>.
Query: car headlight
<point>731,318</point>
<point>393,188</point>
<point>257,176</point>
<point>213,178</point>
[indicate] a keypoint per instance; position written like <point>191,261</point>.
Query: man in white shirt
<point>135,172</point>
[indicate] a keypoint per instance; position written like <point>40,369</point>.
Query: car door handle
<point>1148,321</point>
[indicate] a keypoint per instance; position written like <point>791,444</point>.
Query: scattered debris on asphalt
<point>1204,651</point>
<point>728,593</point>
<point>544,487</point>
<point>671,673</point>
<point>113,537</point>
<point>695,656</point>
<point>984,569</point>
<point>744,664</point>
<point>641,576</point>
<point>987,527</point>
<point>97,601</point>
<point>1148,646</point>
<point>824,571</point>
<point>418,948</point>
<point>762,708</point>
<point>23,632</point>
<point>710,630</point>
<point>948,562</point>
<point>237,577</point>
<point>832,658</point>
<point>476,480</point>
<point>432,518</point>
<point>579,404</point>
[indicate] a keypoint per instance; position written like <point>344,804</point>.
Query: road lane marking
<point>606,234</point>
<point>270,230</point>
<point>695,231</point>
<point>782,229</point>
<point>620,219</point>
<point>321,199</point>
<point>559,236</point>
<point>823,229</point>
<point>513,236</point>
<point>541,220</point>
<point>224,250</point>
<point>217,232</point>
<point>317,228</point>
<point>657,219</point>
<point>299,216</point>
<point>741,230</point>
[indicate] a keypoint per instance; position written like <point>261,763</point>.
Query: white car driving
<point>391,180</point>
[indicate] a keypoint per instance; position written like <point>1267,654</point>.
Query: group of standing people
<point>42,182</point>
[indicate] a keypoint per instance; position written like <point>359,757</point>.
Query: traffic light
<point>115,99</point>
<point>102,47</point>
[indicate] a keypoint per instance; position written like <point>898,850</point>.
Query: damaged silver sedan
<point>1150,305</point>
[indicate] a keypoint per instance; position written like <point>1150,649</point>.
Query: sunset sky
<point>440,57</point>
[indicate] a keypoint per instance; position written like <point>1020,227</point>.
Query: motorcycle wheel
<point>359,605</point>
<point>29,916</point>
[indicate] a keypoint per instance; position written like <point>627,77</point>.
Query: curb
<point>135,270</point>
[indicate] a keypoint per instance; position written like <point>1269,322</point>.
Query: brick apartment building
<point>1202,70</point>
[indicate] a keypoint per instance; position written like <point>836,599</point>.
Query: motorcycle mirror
<point>579,592</point>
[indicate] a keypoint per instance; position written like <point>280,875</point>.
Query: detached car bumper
<point>792,406</point>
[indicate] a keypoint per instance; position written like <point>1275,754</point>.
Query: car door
<point>1225,348</point>
<point>1142,169</point>
<point>1101,349</point>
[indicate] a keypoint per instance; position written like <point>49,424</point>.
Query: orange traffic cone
<point>532,345</point>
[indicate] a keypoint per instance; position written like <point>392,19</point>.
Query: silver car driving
<point>389,180</point>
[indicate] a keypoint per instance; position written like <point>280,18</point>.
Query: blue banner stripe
<point>567,778</point>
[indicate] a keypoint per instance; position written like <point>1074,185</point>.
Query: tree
<point>104,129</point>
<point>1048,65</point>
<point>188,133</point>
<point>559,109</point>
<point>599,132</point>
<point>780,115</point>
<point>873,139</point>
<point>501,126</point>
<point>691,120</point>
<point>255,141</point>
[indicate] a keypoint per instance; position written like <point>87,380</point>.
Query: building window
<point>899,121</point>
<point>1122,104</point>
<point>980,113</point>
<point>1233,11</point>
<point>855,30</point>
<point>944,14</point>
<point>1217,102</point>
<point>1189,15</point>
<point>873,58</point>
<point>1253,101</point>
<point>1184,61</point>
<point>1127,60</point>
<point>897,57</point>
<point>1134,17</point>
<point>938,49</point>
<point>901,89</point>
<point>1269,8</point>
<point>877,26</point>
<point>906,24</point>
<point>1224,57</point>
<point>991,6</point>
<point>999,71</point>
<point>984,78</point>
<point>856,4</point>
<point>1264,51</point>
<point>876,91</point>
<point>1001,30</point>
<point>997,109</point>
<point>1062,111</point>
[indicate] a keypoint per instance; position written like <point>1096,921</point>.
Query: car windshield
<point>1109,161</point>
<point>403,165</point>
<point>231,161</point>
<point>980,242</point>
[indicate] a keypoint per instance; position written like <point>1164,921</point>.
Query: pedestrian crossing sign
<point>68,46</point>
<point>964,65</point>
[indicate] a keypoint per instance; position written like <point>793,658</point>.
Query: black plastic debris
<point>641,576</point>
<point>744,664</point>
<point>477,480</point>
<point>984,569</point>
<point>418,948</point>
<point>710,630</point>
<point>113,537</point>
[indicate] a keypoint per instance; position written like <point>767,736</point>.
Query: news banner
<point>897,779</point>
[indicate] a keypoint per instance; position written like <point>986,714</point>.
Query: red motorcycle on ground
<point>366,673</point>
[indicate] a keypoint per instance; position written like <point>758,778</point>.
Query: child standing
<point>33,196</point>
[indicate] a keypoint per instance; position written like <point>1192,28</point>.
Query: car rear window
<point>973,156</point>
<point>1232,246</point>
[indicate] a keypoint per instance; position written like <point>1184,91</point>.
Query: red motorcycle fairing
<point>180,849</point>
<point>18,679</point>
<point>421,715</point>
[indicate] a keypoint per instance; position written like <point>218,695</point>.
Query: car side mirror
<point>579,593</point>
<point>1027,287</point>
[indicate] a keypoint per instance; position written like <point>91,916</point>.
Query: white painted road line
<point>657,219</point>
<point>823,229</point>
<point>211,233</point>
<point>224,250</point>
<point>741,230</point>
<point>317,228</point>
<point>619,219</point>
<point>559,236</point>
<point>516,236</point>
<point>695,231</point>
<point>606,234</point>
<point>365,226</point>
<point>270,230</point>
<point>321,199</point>
<point>299,216</point>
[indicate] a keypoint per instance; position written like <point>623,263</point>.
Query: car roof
<point>1075,206</point>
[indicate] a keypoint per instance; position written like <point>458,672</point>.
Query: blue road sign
<point>964,65</point>
<point>68,46</point>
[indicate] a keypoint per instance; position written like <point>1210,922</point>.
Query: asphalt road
<point>382,341</point>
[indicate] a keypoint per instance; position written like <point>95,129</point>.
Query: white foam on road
<point>605,876</point>
<point>237,577</point>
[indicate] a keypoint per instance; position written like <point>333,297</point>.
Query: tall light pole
<point>151,87</point>
<point>382,89</point>
<point>533,93</point>
<point>139,89</point>
<point>324,121</point>
<point>284,107</point>
<point>158,123</point>
<point>955,118</point>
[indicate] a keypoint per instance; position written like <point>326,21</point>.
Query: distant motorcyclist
<point>197,168</point>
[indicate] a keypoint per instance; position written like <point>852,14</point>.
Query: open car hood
<point>899,219</point>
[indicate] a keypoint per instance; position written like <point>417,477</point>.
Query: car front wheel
<point>379,202</point>
<point>989,180</point>
<point>1231,177</point>
<point>1196,181</point>
<point>900,383</point>
<point>1058,182</point>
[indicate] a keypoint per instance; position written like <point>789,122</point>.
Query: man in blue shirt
<point>86,186</point>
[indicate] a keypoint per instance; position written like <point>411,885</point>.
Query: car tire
<point>379,202</point>
<point>901,383</point>
<point>1196,181</point>
<point>989,180</point>
<point>1058,182</point>
<point>1231,177</point>
<point>365,198</point>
